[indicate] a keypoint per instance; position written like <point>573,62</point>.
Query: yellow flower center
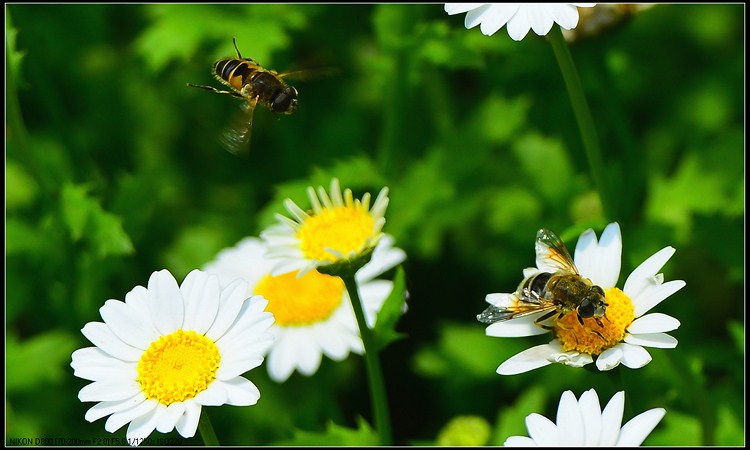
<point>344,229</point>
<point>178,366</point>
<point>301,301</point>
<point>592,338</point>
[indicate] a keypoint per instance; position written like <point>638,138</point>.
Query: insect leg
<point>211,88</point>
<point>236,49</point>
<point>541,319</point>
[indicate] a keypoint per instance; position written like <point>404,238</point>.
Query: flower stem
<point>374,372</point>
<point>583,117</point>
<point>207,430</point>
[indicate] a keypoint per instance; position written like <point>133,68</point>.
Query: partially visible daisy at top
<point>582,423</point>
<point>168,350</point>
<point>607,323</point>
<point>340,231</point>
<point>519,17</point>
<point>314,316</point>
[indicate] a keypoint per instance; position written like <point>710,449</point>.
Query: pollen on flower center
<point>344,229</point>
<point>178,366</point>
<point>301,301</point>
<point>618,317</point>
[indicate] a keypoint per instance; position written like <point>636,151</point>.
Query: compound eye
<point>586,308</point>
<point>286,102</point>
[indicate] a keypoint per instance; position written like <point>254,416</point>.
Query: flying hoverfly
<point>558,288</point>
<point>247,80</point>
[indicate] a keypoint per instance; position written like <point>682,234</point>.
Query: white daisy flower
<point>520,17</point>
<point>620,335</point>
<point>168,350</point>
<point>314,315</point>
<point>582,423</point>
<point>338,230</point>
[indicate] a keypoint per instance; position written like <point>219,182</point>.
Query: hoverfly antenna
<point>234,41</point>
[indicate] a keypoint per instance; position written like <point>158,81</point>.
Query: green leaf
<point>466,346</point>
<point>24,373</point>
<point>86,219</point>
<point>677,430</point>
<point>511,421</point>
<point>545,161</point>
<point>14,56</point>
<point>21,189</point>
<point>464,431</point>
<point>737,332</point>
<point>336,435</point>
<point>391,311</point>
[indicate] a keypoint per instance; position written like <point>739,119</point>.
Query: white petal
<point>384,257</point>
<point>102,336</point>
<point>650,297</point>
<point>647,269</point>
<point>610,358</point>
<point>328,338</point>
<point>200,292</point>
<point>639,427</point>
<point>141,427</point>
<point>518,26</point>
<point>108,390</point>
<point>573,359</point>
<point>214,395</point>
<point>657,340</point>
<point>522,326</point>
<point>527,360</point>
<point>542,430</point>
<point>144,411</point>
<point>611,419</point>
<point>168,418</point>
<point>280,362</point>
<point>565,15</point>
<point>458,8</point>
<point>634,356</point>
<point>231,301</point>
<point>308,355</point>
<point>103,409</point>
<point>492,17</point>
<point>600,261</point>
<point>592,417</point>
<point>188,423</point>
<point>519,441</point>
<point>653,323</point>
<point>165,302</point>
<point>569,421</point>
<point>540,19</point>
<point>128,324</point>
<point>91,363</point>
<point>501,300</point>
<point>241,392</point>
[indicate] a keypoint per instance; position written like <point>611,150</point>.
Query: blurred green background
<point>114,170</point>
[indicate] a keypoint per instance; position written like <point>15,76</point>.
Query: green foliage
<point>391,311</point>
<point>335,435</point>
<point>85,217</point>
<point>114,170</point>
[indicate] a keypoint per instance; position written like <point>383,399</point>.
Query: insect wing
<point>510,306</point>
<point>236,138</point>
<point>551,254</point>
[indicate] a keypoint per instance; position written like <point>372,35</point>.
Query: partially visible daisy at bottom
<point>583,423</point>
<point>313,312</point>
<point>168,350</point>
<point>626,328</point>
<point>519,17</point>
